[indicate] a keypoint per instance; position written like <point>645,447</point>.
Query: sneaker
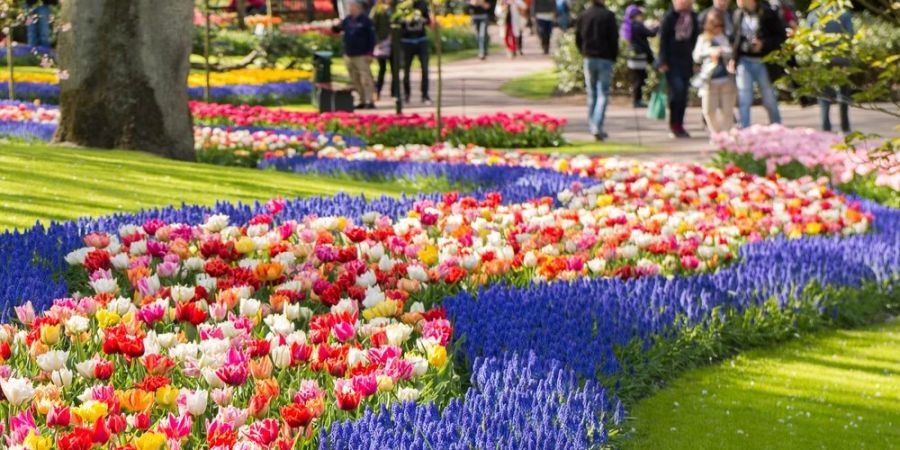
<point>370,106</point>
<point>640,105</point>
<point>427,101</point>
<point>601,136</point>
<point>360,106</point>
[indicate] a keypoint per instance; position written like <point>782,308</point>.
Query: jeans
<point>678,97</point>
<point>545,30</point>
<point>39,26</point>
<point>598,78</point>
<point>638,79</point>
<point>842,95</point>
<point>383,63</point>
<point>562,15</point>
<point>749,72</point>
<point>481,33</point>
<point>415,49</point>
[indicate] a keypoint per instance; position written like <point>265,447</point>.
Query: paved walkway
<point>472,87</point>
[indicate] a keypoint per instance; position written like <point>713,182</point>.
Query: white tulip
<point>52,360</point>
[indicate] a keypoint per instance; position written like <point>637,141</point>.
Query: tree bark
<point>127,64</point>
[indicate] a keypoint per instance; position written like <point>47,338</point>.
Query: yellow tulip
<point>90,411</point>
<point>813,228</point>
<point>150,441</point>
<point>437,356</point>
<point>245,245</point>
<point>107,318</point>
<point>166,396</point>
<point>35,442</point>
<point>428,254</point>
<point>50,334</point>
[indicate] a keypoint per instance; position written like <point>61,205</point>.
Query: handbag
<point>656,110</point>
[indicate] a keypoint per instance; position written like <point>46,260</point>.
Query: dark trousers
<point>418,50</point>
<point>545,30</point>
<point>842,95</point>
<point>638,79</point>
<point>384,62</point>
<point>678,96</point>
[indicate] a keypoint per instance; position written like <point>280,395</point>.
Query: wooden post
<point>440,82</point>
<point>206,49</point>
<point>269,15</point>
<point>241,9</point>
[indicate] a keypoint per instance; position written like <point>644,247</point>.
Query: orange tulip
<point>268,271</point>
<point>261,368</point>
<point>135,400</point>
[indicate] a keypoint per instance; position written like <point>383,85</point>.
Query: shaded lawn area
<point>44,182</point>
<point>836,390</point>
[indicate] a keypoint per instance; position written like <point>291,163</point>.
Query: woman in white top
<point>718,90</point>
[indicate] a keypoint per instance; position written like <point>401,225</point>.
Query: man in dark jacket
<point>677,36</point>
<point>359,43</point>
<point>758,31</point>
<point>38,21</point>
<point>597,39</point>
<point>414,37</point>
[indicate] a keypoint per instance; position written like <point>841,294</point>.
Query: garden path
<point>472,87</point>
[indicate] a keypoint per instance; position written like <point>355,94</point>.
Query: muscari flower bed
<point>441,321</point>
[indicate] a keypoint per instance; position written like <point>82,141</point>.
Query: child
<point>718,90</point>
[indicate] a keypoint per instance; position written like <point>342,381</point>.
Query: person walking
<point>717,89</point>
<point>544,12</point>
<point>723,7</point>
<point>563,12</point>
<point>381,19</point>
<point>414,37</point>
<point>640,55</point>
<point>512,22</point>
<point>597,39</point>
<point>479,11</point>
<point>38,22</point>
<point>359,43</point>
<point>758,31</point>
<point>842,26</point>
<point>678,35</point>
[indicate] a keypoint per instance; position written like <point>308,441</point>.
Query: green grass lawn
<point>534,86</point>
<point>43,182</point>
<point>837,390</point>
<point>593,148</point>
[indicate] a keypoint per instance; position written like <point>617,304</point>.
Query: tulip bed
<point>498,318</point>
<point>245,86</point>
<point>796,152</point>
<point>233,146</point>
<point>522,130</point>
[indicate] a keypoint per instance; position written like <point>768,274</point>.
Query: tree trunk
<point>127,64</point>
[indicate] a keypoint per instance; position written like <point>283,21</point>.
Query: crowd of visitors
<point>721,52</point>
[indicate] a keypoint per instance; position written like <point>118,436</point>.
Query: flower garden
<point>526,307</point>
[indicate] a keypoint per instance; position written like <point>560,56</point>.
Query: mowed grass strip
<point>44,182</point>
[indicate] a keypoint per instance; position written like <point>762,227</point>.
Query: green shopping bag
<point>659,100</point>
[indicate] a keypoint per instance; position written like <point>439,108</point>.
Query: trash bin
<point>322,66</point>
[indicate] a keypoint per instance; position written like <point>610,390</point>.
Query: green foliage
<point>869,60</point>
